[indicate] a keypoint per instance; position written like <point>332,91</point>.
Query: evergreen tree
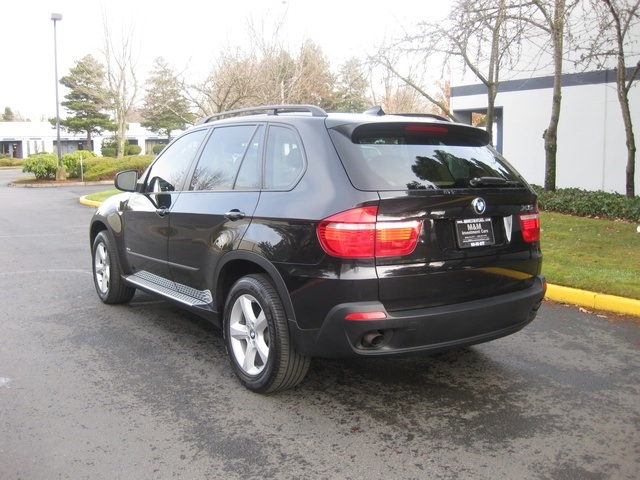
<point>351,87</point>
<point>86,100</point>
<point>8,115</point>
<point>164,108</point>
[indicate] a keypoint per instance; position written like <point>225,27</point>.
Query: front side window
<point>168,172</point>
<point>226,151</point>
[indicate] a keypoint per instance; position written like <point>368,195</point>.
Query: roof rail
<point>377,110</point>
<point>268,109</point>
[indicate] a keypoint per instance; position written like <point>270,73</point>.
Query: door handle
<point>162,211</point>
<point>234,215</point>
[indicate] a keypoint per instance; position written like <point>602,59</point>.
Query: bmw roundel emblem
<point>479,205</point>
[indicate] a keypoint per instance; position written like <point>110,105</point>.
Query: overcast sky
<point>188,33</point>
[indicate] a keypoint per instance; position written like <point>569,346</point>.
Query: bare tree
<point>624,15</point>
<point>313,82</point>
<point>230,85</point>
<point>397,99</point>
<point>122,82</point>
<point>484,36</point>
<point>266,72</point>
<point>551,21</point>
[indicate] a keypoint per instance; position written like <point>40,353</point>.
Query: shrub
<point>11,162</point>
<point>109,148</point>
<point>134,150</point>
<point>158,148</point>
<point>583,203</point>
<point>42,165</point>
<point>71,161</point>
<point>104,168</point>
<point>108,151</point>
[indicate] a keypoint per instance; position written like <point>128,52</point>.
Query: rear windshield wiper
<point>492,182</point>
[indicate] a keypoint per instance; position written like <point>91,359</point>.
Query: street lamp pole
<point>56,17</point>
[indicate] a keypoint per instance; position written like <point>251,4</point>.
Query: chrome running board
<point>175,291</point>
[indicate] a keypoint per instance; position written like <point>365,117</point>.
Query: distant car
<point>303,233</point>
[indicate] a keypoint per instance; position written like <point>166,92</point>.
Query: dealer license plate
<point>474,232</point>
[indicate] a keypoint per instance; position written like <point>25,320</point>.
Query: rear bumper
<point>428,330</point>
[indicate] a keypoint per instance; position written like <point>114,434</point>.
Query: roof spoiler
<point>378,111</point>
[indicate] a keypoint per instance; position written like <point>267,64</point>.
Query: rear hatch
<point>476,216</point>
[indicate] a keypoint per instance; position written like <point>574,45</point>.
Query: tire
<point>257,337</point>
<point>107,275</point>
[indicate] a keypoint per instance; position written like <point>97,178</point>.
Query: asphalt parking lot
<point>145,390</point>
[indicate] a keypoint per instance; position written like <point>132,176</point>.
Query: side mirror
<point>126,180</point>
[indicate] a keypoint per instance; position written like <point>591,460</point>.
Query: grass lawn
<point>102,196</point>
<point>591,254</point>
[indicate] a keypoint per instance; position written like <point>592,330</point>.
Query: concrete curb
<point>593,300</point>
<point>556,293</point>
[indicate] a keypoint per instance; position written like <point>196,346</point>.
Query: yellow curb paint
<point>593,300</point>
<point>90,203</point>
<point>612,303</point>
<point>571,295</point>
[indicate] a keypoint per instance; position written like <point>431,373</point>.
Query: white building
<point>592,151</point>
<point>21,139</point>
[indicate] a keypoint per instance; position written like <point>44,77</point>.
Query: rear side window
<point>228,151</point>
<point>284,160</point>
<point>405,156</point>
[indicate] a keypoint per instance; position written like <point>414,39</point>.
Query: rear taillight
<point>356,234</point>
<point>530,226</point>
<point>396,238</point>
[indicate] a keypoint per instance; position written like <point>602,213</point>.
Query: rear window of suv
<point>411,156</point>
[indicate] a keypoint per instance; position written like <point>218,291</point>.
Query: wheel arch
<point>96,227</point>
<point>238,264</point>
<point>101,223</point>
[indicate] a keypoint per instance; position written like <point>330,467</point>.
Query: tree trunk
<point>122,136</point>
<point>550,135</point>
<point>121,121</point>
<point>623,88</point>
<point>494,69</point>
<point>623,97</point>
<point>492,92</point>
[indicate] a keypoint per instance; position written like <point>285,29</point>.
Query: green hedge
<point>44,165</point>
<point>10,162</point>
<point>105,168</point>
<point>575,201</point>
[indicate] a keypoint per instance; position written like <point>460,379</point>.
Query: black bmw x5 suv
<point>303,233</point>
